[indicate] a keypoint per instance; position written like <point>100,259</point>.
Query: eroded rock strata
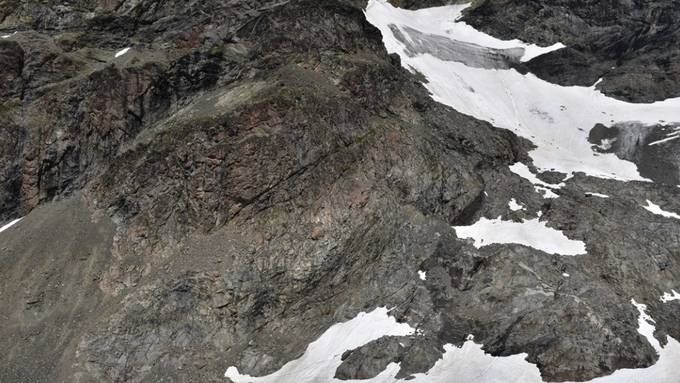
<point>250,173</point>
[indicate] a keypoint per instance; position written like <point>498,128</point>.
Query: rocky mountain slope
<point>217,184</point>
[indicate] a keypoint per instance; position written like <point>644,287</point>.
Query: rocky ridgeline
<point>251,172</point>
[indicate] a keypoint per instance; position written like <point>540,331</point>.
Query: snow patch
<point>542,187</point>
<point>566,275</point>
<point>7,226</point>
<point>646,325</point>
<point>669,297</point>
<point>422,275</point>
<point>532,233</point>
<point>8,35</point>
<point>656,209</point>
<point>122,52</point>
<point>557,119</point>
<point>323,356</point>
<point>532,51</point>
<point>514,206</point>
<point>597,195</point>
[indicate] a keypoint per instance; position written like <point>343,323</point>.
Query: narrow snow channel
<point>599,195</point>
<point>532,233</point>
<point>10,224</point>
<point>122,52</point>
<point>470,71</point>
<point>656,209</point>
<point>468,363</point>
<point>541,187</point>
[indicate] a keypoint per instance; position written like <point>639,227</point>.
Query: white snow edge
<point>532,233</point>
<point>7,226</point>
<point>122,52</point>
<point>656,209</point>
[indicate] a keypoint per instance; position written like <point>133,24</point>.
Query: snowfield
<point>557,119</point>
<point>532,233</point>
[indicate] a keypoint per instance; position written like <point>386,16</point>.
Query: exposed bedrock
<point>250,173</point>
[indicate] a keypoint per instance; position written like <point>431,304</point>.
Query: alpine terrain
<point>317,191</point>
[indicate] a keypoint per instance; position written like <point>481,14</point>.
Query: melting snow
<point>669,297</point>
<point>122,52</point>
<point>323,356</point>
<point>555,118</point>
<point>532,233</point>
<point>656,209</point>
<point>468,363</point>
<point>7,226</point>
<point>422,275</point>
<point>646,325</point>
<point>523,171</point>
<point>468,71</point>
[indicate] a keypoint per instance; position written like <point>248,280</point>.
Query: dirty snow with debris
<point>555,118</point>
<point>532,233</point>
<point>656,209</point>
<point>10,224</point>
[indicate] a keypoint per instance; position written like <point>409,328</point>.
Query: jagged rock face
<point>251,172</point>
<point>631,45</point>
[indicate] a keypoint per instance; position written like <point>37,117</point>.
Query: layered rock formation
<point>249,173</point>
